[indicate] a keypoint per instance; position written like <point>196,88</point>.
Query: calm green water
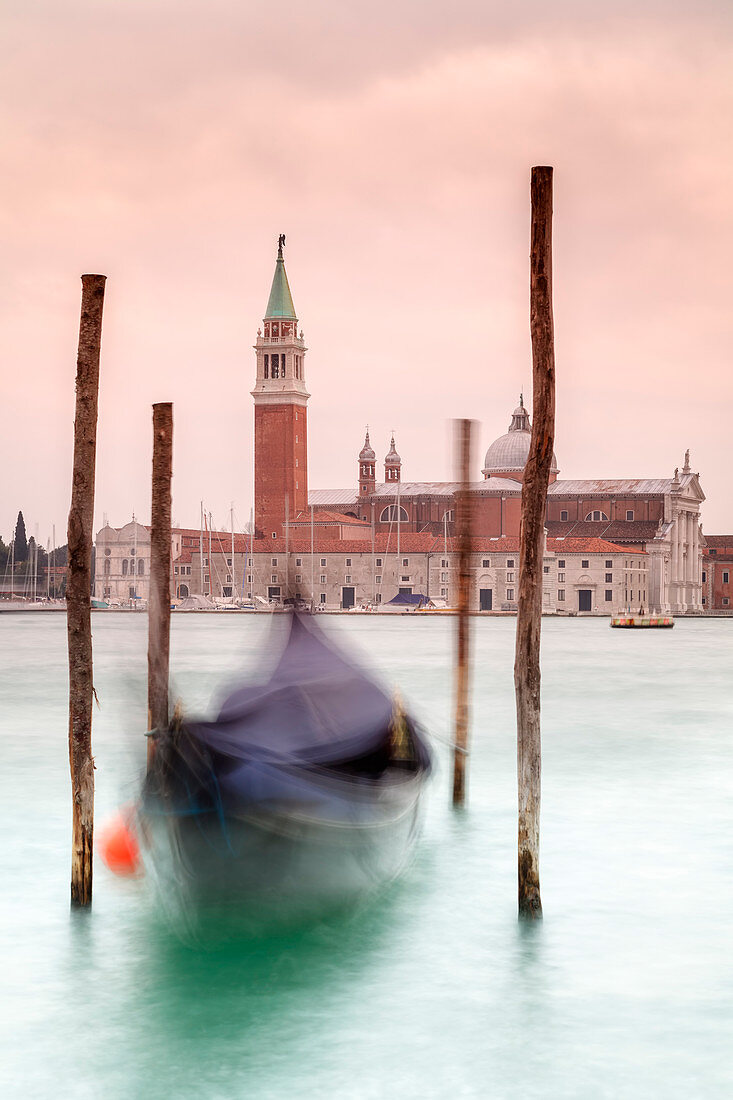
<point>625,989</point>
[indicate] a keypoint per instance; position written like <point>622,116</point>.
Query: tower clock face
<point>275,330</point>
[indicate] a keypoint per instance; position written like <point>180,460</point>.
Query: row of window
<point>444,563</point>
<point>726,576</point>
<point>127,566</point>
<point>597,515</point>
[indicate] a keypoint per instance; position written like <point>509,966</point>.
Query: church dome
<point>509,453</point>
<point>366,454</point>
<point>392,458</point>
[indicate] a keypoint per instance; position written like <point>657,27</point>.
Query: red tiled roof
<point>410,543</point>
<point>419,543</point>
<point>613,530</point>
<point>719,540</point>
<point>588,546</point>
<point>304,518</point>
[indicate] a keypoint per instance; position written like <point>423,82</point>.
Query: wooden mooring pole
<point>79,588</point>
<point>159,603</point>
<point>532,541</point>
<point>463,433</point>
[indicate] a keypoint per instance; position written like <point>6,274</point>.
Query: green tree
<point>4,554</point>
<point>21,542</point>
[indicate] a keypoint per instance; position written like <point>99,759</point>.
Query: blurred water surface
<point>625,989</point>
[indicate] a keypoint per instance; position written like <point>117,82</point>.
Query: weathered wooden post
<point>159,603</point>
<point>78,588</point>
<point>532,535</point>
<point>463,525</point>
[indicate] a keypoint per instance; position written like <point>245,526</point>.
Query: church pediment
<point>693,488</point>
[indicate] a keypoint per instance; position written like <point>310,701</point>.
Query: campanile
<point>281,425</point>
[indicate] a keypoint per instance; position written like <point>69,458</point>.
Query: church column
<point>694,578</point>
<point>678,560</point>
<point>681,563</point>
<point>696,592</point>
<point>674,546</point>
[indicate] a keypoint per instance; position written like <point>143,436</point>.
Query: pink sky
<point>167,144</point>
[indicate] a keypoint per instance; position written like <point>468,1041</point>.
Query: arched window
<point>389,514</point>
<point>106,566</point>
<point>596,516</point>
<point>267,366</point>
<point>140,567</point>
<point>182,591</point>
<point>124,567</point>
<point>450,515</point>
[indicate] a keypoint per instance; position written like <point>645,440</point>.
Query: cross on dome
<point>366,454</point>
<point>392,458</point>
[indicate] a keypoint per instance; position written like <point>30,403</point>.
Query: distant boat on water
<point>632,621</point>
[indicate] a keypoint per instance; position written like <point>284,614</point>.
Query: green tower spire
<point>280,302</point>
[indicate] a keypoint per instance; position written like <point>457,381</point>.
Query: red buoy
<point>118,846</point>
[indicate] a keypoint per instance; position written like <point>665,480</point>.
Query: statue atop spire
<point>280,303</point>
<point>686,467</point>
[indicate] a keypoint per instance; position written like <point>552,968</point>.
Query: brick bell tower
<point>281,425</point>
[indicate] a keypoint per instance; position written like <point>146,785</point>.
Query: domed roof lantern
<point>366,454</point>
<point>392,458</point>
<point>520,417</point>
<point>507,455</point>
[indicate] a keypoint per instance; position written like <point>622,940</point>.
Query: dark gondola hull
<point>301,797</point>
<point>282,860</point>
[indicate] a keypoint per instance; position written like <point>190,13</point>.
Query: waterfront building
<point>660,517</point>
<point>579,575</point>
<point>122,562</point>
<point>717,573</point>
<point>408,526</point>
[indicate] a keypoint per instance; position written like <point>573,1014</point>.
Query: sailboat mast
<point>374,573</point>
<point>398,537</point>
<point>445,550</point>
<point>313,594</point>
<point>231,524</point>
<point>133,585</point>
<point>211,562</point>
<point>201,548</point>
